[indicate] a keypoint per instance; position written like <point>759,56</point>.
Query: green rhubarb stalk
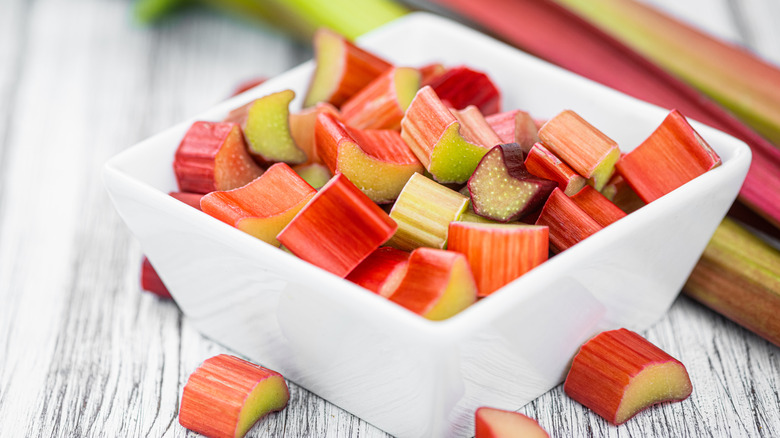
<point>738,276</point>
<point>741,82</point>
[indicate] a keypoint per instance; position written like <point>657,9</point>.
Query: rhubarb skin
<point>382,103</point>
<point>568,223</point>
<point>151,281</point>
<point>338,228</point>
<point>618,373</point>
<point>475,128</point>
<point>342,69</point>
<point>583,147</point>
<point>462,86</point>
<point>544,164</point>
<point>597,206</point>
<point>302,128</point>
<point>380,271</point>
<point>502,189</point>
<point>377,161</point>
<point>264,206</point>
<point>498,423</point>
<point>433,134</point>
<point>315,174</point>
<point>671,156</point>
<point>226,396</point>
<point>499,253</point>
<point>213,156</point>
<point>436,284</point>
<point>515,126</point>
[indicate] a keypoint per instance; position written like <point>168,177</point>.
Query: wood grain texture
<point>84,353</point>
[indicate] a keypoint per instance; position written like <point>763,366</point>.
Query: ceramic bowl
<point>402,373</point>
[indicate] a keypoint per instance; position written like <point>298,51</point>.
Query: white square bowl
<point>398,371</point>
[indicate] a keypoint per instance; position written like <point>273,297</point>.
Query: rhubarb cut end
<point>460,293</point>
<point>330,63</point>
<point>498,423</point>
<point>269,395</point>
<point>604,170</point>
<point>659,383</point>
<point>454,159</point>
<point>407,82</point>
<point>267,129</point>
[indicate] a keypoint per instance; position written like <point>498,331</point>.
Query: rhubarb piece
<point>619,373</point>
<point>342,69</point>
<point>621,194</point>
<point>381,104</point>
<point>381,271</point>
<point>433,133</point>
<point>568,223</point>
<point>302,128</point>
<point>544,164</point>
<point>498,423</point>
<point>191,199</point>
<point>502,189</point>
<point>430,72</point>
<point>597,206</point>
<point>338,228</point>
<point>423,212</point>
<point>377,161</point>
<point>515,127</point>
<point>738,276</point>
<point>470,216</point>
<point>264,206</point>
<point>213,156</point>
<point>226,396</point>
<point>583,147</point>
<point>266,125</point>
<point>151,281</point>
<point>315,174</point>
<point>499,253</point>
<point>475,128</point>
<point>459,87</point>
<point>437,284</point>
<point>671,156</point>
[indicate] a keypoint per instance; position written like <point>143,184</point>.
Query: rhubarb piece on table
<point>583,147</point>
<point>226,396</point>
<point>436,284</point>
<point>316,174</point>
<point>671,156</point>
<point>151,281</point>
<point>342,69</point>
<point>502,189</point>
<point>302,128</point>
<point>191,199</point>
<point>499,253</point>
<point>338,228</point>
<point>498,423</point>
<point>459,87</point>
<point>621,194</point>
<point>515,126</point>
<point>264,206</point>
<point>266,125</point>
<point>382,103</point>
<point>433,133</point>
<point>597,206</point>
<point>213,156</point>
<point>618,373</point>
<point>423,212</point>
<point>377,161</point>
<point>381,271</point>
<point>544,164</point>
<point>568,223</point>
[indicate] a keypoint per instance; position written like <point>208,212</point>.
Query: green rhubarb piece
<point>267,129</point>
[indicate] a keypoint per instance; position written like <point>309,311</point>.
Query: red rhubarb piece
<point>498,423</point>
<point>544,164</point>
<point>618,373</point>
<point>461,86</point>
<point>568,223</point>
<point>381,104</point>
<point>381,271</point>
<point>191,199</point>
<point>151,281</point>
<point>515,127</point>
<point>597,206</point>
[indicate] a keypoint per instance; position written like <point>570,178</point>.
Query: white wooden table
<point>84,353</point>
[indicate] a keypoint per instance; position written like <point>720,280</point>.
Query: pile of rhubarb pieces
<point>414,183</point>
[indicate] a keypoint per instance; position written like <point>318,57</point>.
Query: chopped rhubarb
<point>266,125</point>
<point>342,69</point>
<point>568,223</point>
<point>475,128</point>
<point>671,156</point>
<point>430,72</point>
<point>226,396</point>
<point>191,199</point>
<point>597,206</point>
<point>515,127</point>
<point>264,206</point>
<point>436,284</point>
<point>151,281</point>
<point>213,156</point>
<point>498,423</point>
<point>338,228</point>
<point>381,104</point>
<point>499,253</point>
<point>618,373</point>
<point>502,189</point>
<point>461,86</point>
<point>544,164</point>
<point>583,147</point>
<point>621,194</point>
<point>423,212</point>
<point>381,271</point>
<point>316,174</point>
<point>433,133</point>
<point>377,161</point>
<point>302,128</point>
